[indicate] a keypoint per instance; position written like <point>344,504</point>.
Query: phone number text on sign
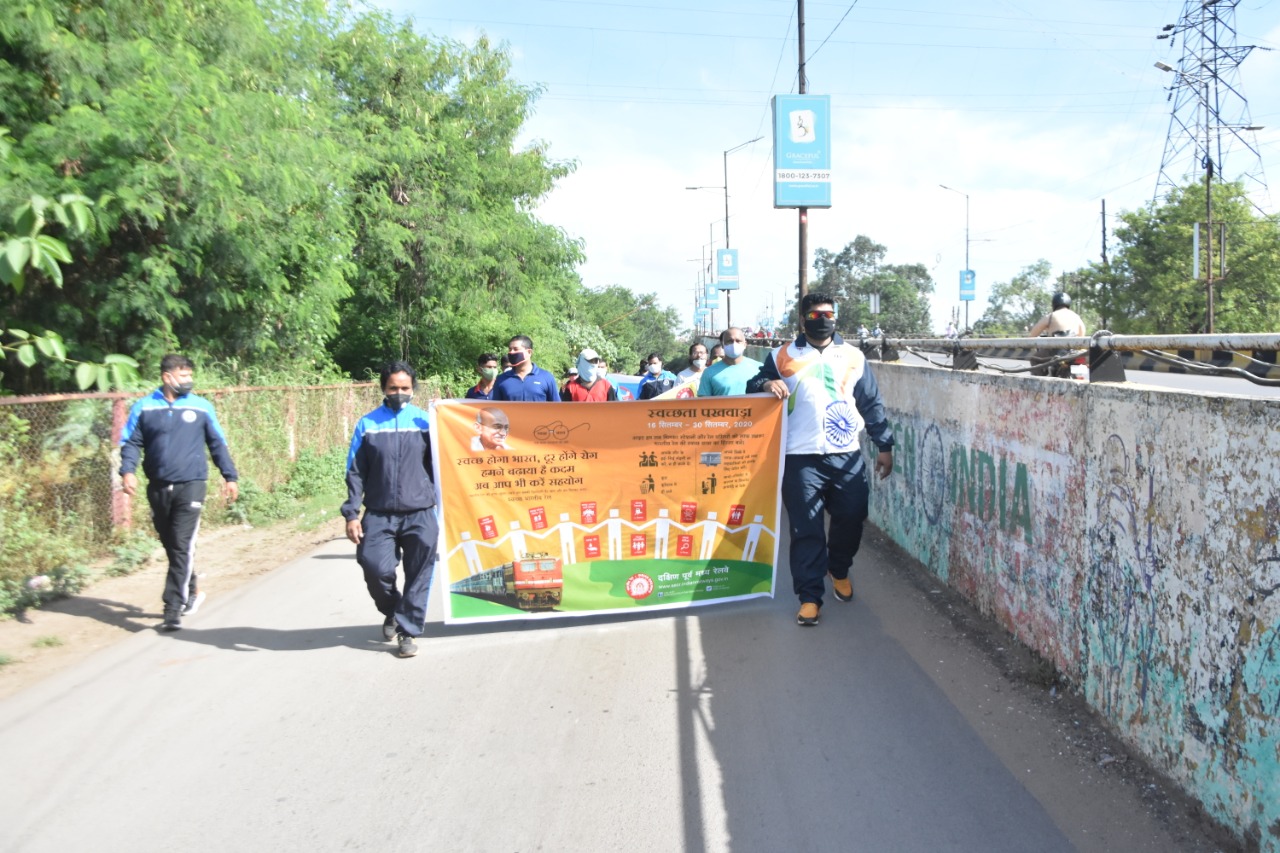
<point>815,175</point>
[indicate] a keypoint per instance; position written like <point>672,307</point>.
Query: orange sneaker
<point>842,589</point>
<point>808,615</point>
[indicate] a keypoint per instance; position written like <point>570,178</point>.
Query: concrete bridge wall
<point>1130,535</point>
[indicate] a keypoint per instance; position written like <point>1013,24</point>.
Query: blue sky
<point>1038,111</point>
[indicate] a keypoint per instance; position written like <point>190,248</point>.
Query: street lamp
<point>966,245</point>
<point>728,315</point>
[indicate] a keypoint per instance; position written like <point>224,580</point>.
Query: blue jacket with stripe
<point>389,463</point>
<point>170,437</point>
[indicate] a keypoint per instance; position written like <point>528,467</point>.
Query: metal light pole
<point>728,305</point>
<point>966,245</point>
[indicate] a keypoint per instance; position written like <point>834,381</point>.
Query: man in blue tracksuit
<point>169,430</point>
<point>389,471</point>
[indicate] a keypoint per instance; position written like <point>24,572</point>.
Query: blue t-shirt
<point>539,386</point>
<point>723,379</point>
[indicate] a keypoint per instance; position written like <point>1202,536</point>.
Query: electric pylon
<point>1210,115</point>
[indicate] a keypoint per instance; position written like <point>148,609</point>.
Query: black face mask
<point>183,388</point>
<point>819,330</point>
<point>396,402</point>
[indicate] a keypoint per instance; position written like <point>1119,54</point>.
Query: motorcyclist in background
<point>1061,322</point>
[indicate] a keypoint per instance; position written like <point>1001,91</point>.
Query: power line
<point>833,30</point>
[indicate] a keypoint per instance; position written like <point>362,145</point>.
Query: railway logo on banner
<point>653,504</point>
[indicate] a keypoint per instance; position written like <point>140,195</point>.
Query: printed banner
<point>573,509</point>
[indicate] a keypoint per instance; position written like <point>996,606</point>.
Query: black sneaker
<point>408,648</point>
<point>193,604</point>
<point>172,621</point>
<point>389,629</point>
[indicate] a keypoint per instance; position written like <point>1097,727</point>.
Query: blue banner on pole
<point>802,151</point>
<point>713,297</point>
<point>968,285</point>
<point>727,269</point>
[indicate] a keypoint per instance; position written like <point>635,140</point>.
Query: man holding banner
<point>835,397</point>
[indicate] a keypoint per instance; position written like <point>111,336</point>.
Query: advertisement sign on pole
<point>713,297</point>
<point>802,151</point>
<point>967,285</point>
<point>727,269</point>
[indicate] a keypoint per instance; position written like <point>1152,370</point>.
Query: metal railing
<point>1246,356</point>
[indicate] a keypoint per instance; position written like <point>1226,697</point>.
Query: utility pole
<point>1105,262</point>
<point>803,211</point>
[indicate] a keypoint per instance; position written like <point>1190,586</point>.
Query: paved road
<point>278,721</point>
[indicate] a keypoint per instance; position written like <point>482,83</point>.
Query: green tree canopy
<point>1152,286</point>
<point>1014,306</point>
<point>287,184</point>
<point>857,271</point>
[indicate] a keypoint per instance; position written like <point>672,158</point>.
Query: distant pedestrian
<point>569,375</point>
<point>951,331</point>
<point>170,430</point>
<point>389,472</point>
<point>863,332</point>
<point>487,367</point>
<point>716,354</point>
<point>729,376</point>
<point>525,381</point>
<point>833,398</point>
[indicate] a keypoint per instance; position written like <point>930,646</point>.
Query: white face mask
<point>735,349</point>
<point>655,369</point>
<point>586,371</point>
<point>699,363</point>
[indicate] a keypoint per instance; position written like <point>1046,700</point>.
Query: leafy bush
<point>39,561</point>
<point>316,474</point>
<point>257,507</point>
<point>131,554</point>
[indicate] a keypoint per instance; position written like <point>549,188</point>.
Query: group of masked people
<point>390,512</point>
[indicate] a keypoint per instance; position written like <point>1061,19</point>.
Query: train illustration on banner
<point>533,582</point>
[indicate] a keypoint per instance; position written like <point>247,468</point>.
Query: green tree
<point>1014,306</point>
<point>1151,286</point>
<point>30,248</point>
<point>857,271</point>
<point>206,136</point>
<point>450,260</point>
<point>631,324</point>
